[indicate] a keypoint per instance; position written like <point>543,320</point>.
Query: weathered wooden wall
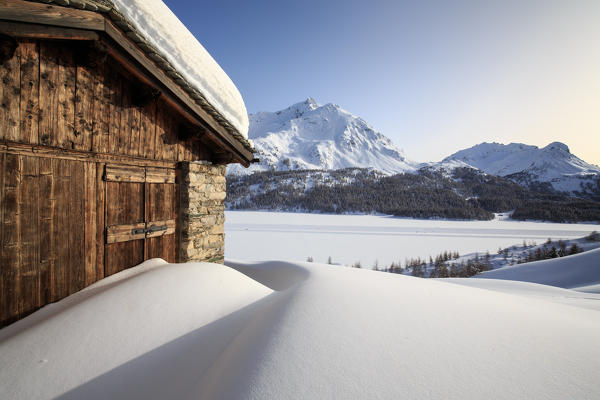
<point>67,115</point>
<point>69,95</point>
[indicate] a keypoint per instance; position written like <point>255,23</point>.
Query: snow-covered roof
<point>164,38</point>
<point>162,29</point>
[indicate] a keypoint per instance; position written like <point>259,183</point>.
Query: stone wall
<point>202,212</point>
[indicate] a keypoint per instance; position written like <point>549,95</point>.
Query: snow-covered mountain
<point>530,165</point>
<point>308,136</point>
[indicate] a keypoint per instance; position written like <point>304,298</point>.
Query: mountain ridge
<point>309,136</point>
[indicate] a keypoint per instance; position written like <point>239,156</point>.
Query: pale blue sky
<point>434,76</point>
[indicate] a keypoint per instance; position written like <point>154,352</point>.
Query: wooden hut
<point>108,155</point>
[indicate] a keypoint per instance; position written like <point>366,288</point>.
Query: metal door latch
<point>151,229</point>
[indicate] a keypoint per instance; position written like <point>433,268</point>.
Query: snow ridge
<point>309,136</point>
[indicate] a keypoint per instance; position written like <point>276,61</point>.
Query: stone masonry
<point>202,212</point>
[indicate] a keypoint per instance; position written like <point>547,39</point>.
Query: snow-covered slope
<point>278,330</point>
<point>309,136</point>
<point>553,164</point>
<point>570,272</point>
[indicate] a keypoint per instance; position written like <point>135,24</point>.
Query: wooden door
<point>141,214</point>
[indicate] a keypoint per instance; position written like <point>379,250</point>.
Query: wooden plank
<point>126,124</point>
<point>46,32</point>
<point>166,136</point>
<point>77,227</point>
<point>61,275</point>
<point>10,262</point>
<point>123,233</point>
<point>65,133</point>
<point>48,99</point>
<point>10,99</point>
<point>25,11</point>
<point>101,111</point>
<point>178,97</point>
<point>29,290</point>
<point>10,252</point>
<point>115,104</point>
<point>79,155</point>
<point>160,175</point>
<point>91,219</point>
<point>100,219</point>
<point>84,108</point>
<point>46,227</point>
<point>148,130</point>
<point>117,173</point>
<point>30,91</point>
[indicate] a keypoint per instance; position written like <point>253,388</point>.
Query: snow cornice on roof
<point>235,123</point>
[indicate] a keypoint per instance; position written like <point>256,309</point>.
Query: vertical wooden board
<point>112,203</point>
<point>101,116</point>
<point>148,130</point>
<point>126,117</point>
<point>46,227</point>
<point>123,255</point>
<point>84,108</point>
<point>90,221</point>
<point>100,222</point>
<point>135,116</point>
<point>9,98</point>
<point>10,251</point>
<point>66,137</point>
<point>48,98</point>
<point>29,291</point>
<point>30,91</point>
<point>61,275</point>
<point>166,135</point>
<point>77,226</point>
<point>159,131</point>
<point>114,93</point>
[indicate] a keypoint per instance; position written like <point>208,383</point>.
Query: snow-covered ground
<point>367,238</point>
<point>279,330</point>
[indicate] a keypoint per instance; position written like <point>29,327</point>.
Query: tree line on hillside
<point>466,194</point>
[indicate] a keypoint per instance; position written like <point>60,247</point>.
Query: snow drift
<point>571,272</point>
<point>298,330</point>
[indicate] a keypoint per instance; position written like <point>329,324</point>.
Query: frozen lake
<point>252,235</point>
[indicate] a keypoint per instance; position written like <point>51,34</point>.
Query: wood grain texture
<point>84,108</point>
<point>46,229</point>
<point>121,173</point>
<point>101,111</point>
<point>68,154</point>
<point>100,220</point>
<point>35,31</point>
<point>29,240</point>
<point>10,98</point>
<point>90,222</point>
<point>66,80</point>
<point>10,233</point>
<point>160,175</point>
<point>48,97</point>
<point>24,11</point>
<point>29,58</point>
